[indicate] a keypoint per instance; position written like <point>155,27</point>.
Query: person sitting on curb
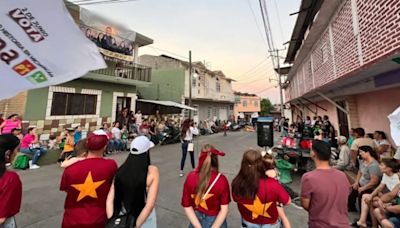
<point>390,179</point>
<point>30,145</point>
<point>388,214</point>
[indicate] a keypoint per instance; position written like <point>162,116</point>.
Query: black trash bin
<point>265,132</point>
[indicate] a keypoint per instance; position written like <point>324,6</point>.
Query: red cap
<point>97,140</point>
<point>204,154</point>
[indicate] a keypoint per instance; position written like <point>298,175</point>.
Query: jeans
<point>253,225</point>
<point>36,152</point>
<point>207,221</point>
<point>184,153</point>
<point>9,223</point>
<point>395,220</point>
<point>115,145</point>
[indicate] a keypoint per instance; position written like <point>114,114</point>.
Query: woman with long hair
<point>10,123</point>
<point>135,188</point>
<point>256,194</point>
<point>188,129</point>
<point>10,184</point>
<point>206,193</point>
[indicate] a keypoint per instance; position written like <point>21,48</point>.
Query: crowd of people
<point>99,194</point>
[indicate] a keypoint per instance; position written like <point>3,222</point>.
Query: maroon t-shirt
<point>10,194</point>
<point>87,184</point>
<point>218,195</point>
<point>328,190</point>
<point>262,209</point>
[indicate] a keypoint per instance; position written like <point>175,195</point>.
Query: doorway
<point>122,102</point>
<point>343,120</point>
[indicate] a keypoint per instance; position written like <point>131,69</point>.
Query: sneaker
<point>8,164</point>
<point>34,166</point>
<point>181,173</point>
<point>30,163</point>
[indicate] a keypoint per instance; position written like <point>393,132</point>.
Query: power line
<point>279,20</point>
<point>96,2</point>
<point>256,22</point>
<point>169,52</point>
<point>252,69</point>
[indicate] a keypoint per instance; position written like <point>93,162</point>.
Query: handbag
<point>123,220</point>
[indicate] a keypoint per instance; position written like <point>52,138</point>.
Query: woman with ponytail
<point>256,194</point>
<point>206,193</point>
<point>10,184</point>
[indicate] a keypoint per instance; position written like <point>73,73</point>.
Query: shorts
<point>394,219</point>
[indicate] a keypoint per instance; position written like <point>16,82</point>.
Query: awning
<point>168,103</point>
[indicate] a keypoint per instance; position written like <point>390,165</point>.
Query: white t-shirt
<point>390,182</point>
<point>189,134</point>
<point>116,132</point>
<point>397,154</point>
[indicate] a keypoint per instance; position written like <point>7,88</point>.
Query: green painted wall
<point>167,85</point>
<point>37,99</point>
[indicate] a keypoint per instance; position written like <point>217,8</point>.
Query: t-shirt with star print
<point>262,209</point>
<point>218,195</point>
<point>87,184</point>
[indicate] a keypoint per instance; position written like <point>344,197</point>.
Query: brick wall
<point>350,45</point>
<point>379,25</point>
<point>14,104</point>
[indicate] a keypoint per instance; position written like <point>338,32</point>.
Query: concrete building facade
<point>346,63</point>
<point>212,93</point>
<point>247,106</point>
<point>89,101</point>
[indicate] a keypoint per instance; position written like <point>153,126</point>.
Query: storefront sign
<point>113,40</point>
<point>41,47</point>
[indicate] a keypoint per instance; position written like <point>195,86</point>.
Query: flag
<point>395,126</point>
<point>40,45</point>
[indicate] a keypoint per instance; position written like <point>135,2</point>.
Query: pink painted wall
<point>374,107</point>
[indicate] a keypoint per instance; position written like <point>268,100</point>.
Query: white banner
<point>395,126</point>
<point>40,45</point>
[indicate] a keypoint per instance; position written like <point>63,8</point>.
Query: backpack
<point>21,162</point>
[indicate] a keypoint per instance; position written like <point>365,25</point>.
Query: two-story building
<point>89,101</point>
<point>346,62</point>
<point>212,93</point>
<point>247,106</point>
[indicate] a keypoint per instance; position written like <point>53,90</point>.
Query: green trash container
<point>284,168</point>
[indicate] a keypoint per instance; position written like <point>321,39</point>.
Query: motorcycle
<point>171,135</point>
<point>297,150</point>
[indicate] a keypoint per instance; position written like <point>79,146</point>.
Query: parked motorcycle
<point>297,150</point>
<point>171,135</point>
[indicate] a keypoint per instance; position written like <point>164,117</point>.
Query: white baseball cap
<point>142,144</point>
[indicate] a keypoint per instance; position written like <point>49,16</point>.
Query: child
<point>80,151</point>
<point>78,134</point>
<point>52,144</point>
<point>124,137</point>
<point>269,161</point>
<point>68,146</point>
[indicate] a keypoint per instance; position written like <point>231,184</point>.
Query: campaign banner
<point>395,126</point>
<point>113,40</point>
<point>40,45</point>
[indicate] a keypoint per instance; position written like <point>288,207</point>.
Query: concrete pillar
<point>136,53</point>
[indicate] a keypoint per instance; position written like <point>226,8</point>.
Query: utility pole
<point>190,83</point>
<point>280,82</point>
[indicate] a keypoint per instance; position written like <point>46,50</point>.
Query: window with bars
<point>73,104</point>
<point>218,85</point>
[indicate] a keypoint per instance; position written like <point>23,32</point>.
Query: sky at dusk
<point>225,34</point>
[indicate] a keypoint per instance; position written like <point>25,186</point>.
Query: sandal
<point>356,224</point>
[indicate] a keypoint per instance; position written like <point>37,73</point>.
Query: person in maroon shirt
<point>87,184</point>
<point>206,193</point>
<point>256,194</point>
<point>10,184</point>
<point>324,191</point>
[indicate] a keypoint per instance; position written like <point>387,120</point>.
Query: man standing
<point>324,191</point>
<point>87,183</point>
<point>138,117</point>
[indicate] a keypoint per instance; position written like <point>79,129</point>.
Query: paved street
<point>43,202</point>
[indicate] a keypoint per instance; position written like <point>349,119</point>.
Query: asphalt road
<point>42,204</point>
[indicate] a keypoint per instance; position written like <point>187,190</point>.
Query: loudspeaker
<point>265,134</point>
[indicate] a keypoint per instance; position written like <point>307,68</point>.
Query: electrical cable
<point>279,19</point>
<point>256,22</point>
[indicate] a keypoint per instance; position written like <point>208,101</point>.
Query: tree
<point>266,107</point>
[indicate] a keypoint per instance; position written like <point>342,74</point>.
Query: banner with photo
<point>113,40</point>
<point>41,47</point>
